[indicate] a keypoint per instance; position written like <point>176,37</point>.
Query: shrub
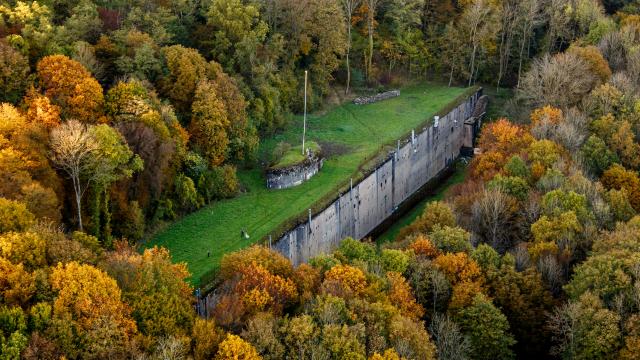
<point>186,193</point>
<point>218,183</point>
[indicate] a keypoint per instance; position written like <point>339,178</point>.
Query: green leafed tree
<point>92,156</point>
<point>487,329</point>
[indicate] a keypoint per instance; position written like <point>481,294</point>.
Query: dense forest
<point>119,116</point>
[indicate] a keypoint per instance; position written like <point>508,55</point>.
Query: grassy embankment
<point>353,137</point>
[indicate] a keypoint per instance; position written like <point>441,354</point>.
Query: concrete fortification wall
<point>368,203</point>
<point>293,175</point>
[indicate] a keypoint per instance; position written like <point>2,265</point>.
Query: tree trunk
<point>473,63</point>
<point>502,62</point>
<point>451,76</point>
<point>524,40</point>
<point>78,193</point>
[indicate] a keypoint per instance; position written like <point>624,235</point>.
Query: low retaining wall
<point>370,202</point>
<point>375,98</point>
<point>293,175</point>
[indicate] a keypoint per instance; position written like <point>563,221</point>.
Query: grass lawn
<point>456,177</point>
<point>355,133</point>
<point>295,156</point>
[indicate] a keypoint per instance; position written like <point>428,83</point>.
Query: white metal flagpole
<point>304,123</point>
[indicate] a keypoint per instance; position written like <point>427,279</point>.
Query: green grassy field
<point>351,136</point>
<point>390,234</point>
<point>295,155</point>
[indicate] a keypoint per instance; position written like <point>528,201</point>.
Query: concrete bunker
<point>295,174</point>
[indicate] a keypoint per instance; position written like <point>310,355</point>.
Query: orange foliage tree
<point>464,274</point>
<point>499,141</point>
<point>272,260</point>
<point>594,59</point>
<point>422,246</point>
<point>40,110</point>
<point>617,177</point>
<point>505,137</point>
<point>260,290</point>
<point>253,288</point>
<point>401,296</point>
<point>70,85</point>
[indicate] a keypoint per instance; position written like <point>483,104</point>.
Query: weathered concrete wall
<point>293,175</point>
<point>359,211</point>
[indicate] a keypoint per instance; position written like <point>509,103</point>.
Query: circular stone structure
<point>294,175</point>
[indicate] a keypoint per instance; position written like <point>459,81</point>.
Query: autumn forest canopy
<point>119,118</point>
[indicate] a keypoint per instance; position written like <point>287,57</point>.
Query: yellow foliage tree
<point>14,216</point>
<point>206,338</point>
<point>544,152</point>
<point>234,348</point>
<point>552,234</point>
<point>27,248</point>
<point>463,293</point>
<point>16,284</point>
<point>209,124</point>
<point>389,354</point>
<point>623,141</point>
<point>90,319</point>
<point>436,213</point>
<point>546,115</point>
<point>11,120</point>
<point>349,278</point>
<point>617,177</point>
